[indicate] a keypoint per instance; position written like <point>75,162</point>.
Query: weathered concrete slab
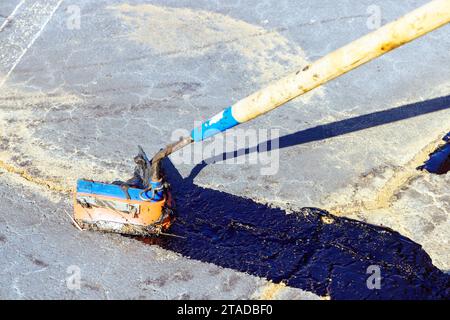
<point>42,252</point>
<point>20,29</point>
<point>80,99</point>
<point>7,8</point>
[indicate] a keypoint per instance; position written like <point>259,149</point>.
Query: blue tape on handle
<point>216,124</point>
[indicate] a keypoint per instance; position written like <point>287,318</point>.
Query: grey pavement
<point>78,93</point>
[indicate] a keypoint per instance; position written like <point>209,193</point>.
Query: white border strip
<point>31,42</point>
<point>8,19</point>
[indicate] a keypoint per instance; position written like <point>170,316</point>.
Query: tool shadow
<point>337,128</point>
<point>309,249</point>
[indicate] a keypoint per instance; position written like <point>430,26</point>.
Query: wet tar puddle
<point>439,161</point>
<point>310,249</point>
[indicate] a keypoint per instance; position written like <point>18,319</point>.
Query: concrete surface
<point>420,211</point>
<point>75,102</point>
<point>41,251</point>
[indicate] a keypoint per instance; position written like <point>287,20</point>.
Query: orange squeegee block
<point>108,207</point>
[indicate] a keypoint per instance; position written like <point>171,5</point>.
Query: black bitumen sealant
<point>439,160</point>
<point>310,249</point>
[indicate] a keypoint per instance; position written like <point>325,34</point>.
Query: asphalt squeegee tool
<point>138,206</point>
<point>143,204</point>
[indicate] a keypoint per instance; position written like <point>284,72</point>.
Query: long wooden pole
<point>403,30</point>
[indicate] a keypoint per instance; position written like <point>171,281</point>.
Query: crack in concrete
<point>383,200</point>
<point>196,48</point>
<point>299,249</point>
<point>386,194</point>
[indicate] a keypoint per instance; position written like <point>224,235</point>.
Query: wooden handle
<point>405,29</point>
